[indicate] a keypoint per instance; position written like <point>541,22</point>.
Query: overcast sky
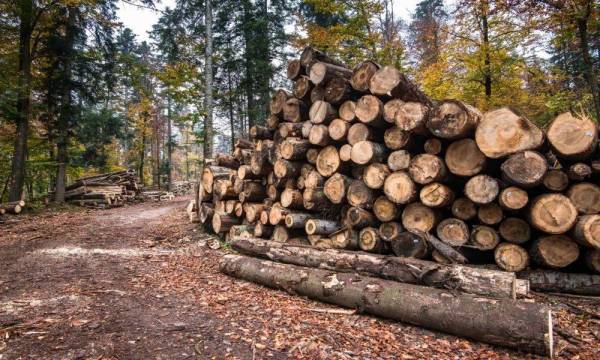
<point>140,20</point>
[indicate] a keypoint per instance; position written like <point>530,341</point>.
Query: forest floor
<point>137,283</point>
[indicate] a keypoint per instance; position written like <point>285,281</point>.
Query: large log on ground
<point>522,325</point>
<point>552,213</point>
<point>477,281</point>
<point>560,282</point>
<point>572,138</point>
<point>452,119</point>
<point>14,207</point>
<point>502,132</point>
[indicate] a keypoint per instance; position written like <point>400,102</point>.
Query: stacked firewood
<point>363,160</point>
<point>156,194</point>
<point>180,188</point>
<point>104,190</point>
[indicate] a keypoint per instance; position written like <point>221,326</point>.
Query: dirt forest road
<point>136,283</point>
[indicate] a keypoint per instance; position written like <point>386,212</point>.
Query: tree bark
<point>560,282</point>
<point>208,77</point>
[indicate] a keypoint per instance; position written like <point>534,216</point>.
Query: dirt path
<point>135,283</point>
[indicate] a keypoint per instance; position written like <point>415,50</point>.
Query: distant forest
<point>80,94</point>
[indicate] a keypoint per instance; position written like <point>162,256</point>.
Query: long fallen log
<point>490,283</point>
<point>521,325</point>
<point>559,282</point>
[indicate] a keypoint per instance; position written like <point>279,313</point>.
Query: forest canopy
<point>80,93</point>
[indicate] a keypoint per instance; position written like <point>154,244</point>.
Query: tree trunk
<point>17,174</point>
<point>590,73</point>
<point>208,77</point>
<point>525,326</point>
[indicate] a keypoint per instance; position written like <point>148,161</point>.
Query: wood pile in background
<point>155,194</point>
<point>14,207</point>
<point>361,159</point>
<point>104,190</point>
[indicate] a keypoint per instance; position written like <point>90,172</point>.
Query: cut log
<point>321,227</point>
<point>552,213</point>
<point>227,161</point>
<point>400,188</point>
<point>359,218</point>
<point>452,231</point>
<point>502,132</point>
<point>427,168</point>
<point>311,55</point>
<point>452,119</point>
<point>478,281</point>
<point>284,169</point>
<point>525,169</point>
<point>573,138</point>
<point>306,127</point>
<point>556,180</point>
<point>433,146</point>
<point>303,88</point>
<point>261,132</point>
<point>410,245</point>
<point>512,198</point>
<point>515,230</point>
<point>313,180</point>
<point>464,158</point>
<point>294,149</point>
<point>579,172</point>
<point>295,110</point>
<point>263,231</point>
<point>212,173</point>
<point>322,72</point>
<point>312,155</point>
<point>369,110</point>
<point>390,109</point>
<point>347,111</point>
<point>525,326</point>
<point>587,231</point>
<point>288,130</point>
<point>240,231</point>
<point>484,238</point>
<point>442,248</point>
<point>385,210</point>
<point>417,216</point>
<point>554,251</point>
<point>390,230</point>
<point>328,161</point>
<point>490,214</point>
<point>436,195</point>
<point>15,207</point>
<point>222,223</point>
<point>297,220</point>
<point>292,199</point>
<point>278,102</point>
<point>338,90</point>
<point>560,282</point>
<point>482,189</point>
<point>362,75</point>
<point>375,174</point>
<point>345,152</point>
<point>359,132</point>
<point>253,191</point>
<point>322,112</point>
<point>412,116</point>
<point>317,93</point>
<point>252,211</point>
<point>244,144</point>
<point>399,160</point>
<point>277,214</point>
<point>319,135</point>
<point>396,138</point>
<point>366,152</point>
<point>585,197</point>
<point>244,172</point>
<point>338,129</point>
<point>592,260</point>
<point>388,81</point>
<point>295,69</point>
<point>315,199</point>
<point>511,257</point>
<point>223,190</point>
<point>464,209</point>
<point>370,241</point>
<point>280,234</point>
<point>345,239</point>
<point>358,194</point>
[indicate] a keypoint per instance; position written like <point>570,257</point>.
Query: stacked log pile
<point>361,159</point>
<point>104,190</point>
<point>156,194</point>
<point>14,207</point>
